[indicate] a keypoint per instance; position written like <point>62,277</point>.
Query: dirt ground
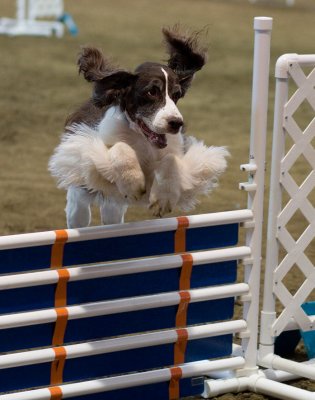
<point>39,86</point>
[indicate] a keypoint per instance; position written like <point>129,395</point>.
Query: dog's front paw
<point>131,184</point>
<point>126,172</point>
<point>160,207</point>
<point>163,198</point>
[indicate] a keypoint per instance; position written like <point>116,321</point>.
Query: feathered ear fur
<point>93,64</point>
<point>187,56</point>
<point>110,83</point>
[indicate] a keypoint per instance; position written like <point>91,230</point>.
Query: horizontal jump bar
<point>188,370</point>
<point>122,343</point>
<point>131,228</point>
<point>103,270</point>
<point>122,305</point>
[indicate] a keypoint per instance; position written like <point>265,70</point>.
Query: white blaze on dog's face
<point>168,116</point>
<point>151,105</point>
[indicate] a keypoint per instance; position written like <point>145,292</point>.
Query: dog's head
<point>150,94</point>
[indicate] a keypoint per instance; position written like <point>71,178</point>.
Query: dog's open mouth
<point>157,139</point>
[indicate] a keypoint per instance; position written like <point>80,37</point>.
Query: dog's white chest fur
<point>113,127</point>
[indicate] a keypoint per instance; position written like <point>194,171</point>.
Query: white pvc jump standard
<point>29,19</point>
<point>275,369</point>
<point>289,67</point>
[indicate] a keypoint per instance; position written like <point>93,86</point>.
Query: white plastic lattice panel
<point>295,245</point>
<point>45,8</point>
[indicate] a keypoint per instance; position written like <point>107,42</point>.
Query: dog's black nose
<point>175,124</point>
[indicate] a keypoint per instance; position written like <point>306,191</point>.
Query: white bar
<point>217,387</point>
<point>283,376</point>
<point>198,368</point>
<point>293,326</point>
<point>256,383</point>
<point>248,167</point>
<point>306,59</point>
<point>121,343</point>
<point>283,63</point>
<point>20,10</point>
<point>228,382</point>
<point>257,156</point>
<point>248,187</point>
<point>279,390</point>
<point>275,204</point>
<point>275,362</point>
<point>131,228</point>
<point>121,268</point>
<point>121,305</point>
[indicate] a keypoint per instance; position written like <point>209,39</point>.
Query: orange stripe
<point>55,393</point>
<point>180,346</point>
<point>173,389</point>
<point>185,275</point>
<point>61,289</point>
<point>56,259</point>
<point>181,316</point>
<point>57,366</point>
<point>180,235</point>
<point>60,326</point>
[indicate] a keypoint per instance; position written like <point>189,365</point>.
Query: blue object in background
<point>309,337</point>
<point>67,19</point>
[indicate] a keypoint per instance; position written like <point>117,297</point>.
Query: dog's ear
<point>109,81</point>
<point>187,56</point>
<point>93,64</point>
<point>112,88</point>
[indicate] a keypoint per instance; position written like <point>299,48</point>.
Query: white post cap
<point>263,23</point>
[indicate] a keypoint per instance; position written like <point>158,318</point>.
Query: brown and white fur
<point>126,144</point>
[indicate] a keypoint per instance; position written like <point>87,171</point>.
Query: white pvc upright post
<point>268,314</point>
<point>255,185</point>
<point>20,10</point>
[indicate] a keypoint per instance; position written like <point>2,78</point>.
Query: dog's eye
<point>153,92</point>
<point>176,96</point>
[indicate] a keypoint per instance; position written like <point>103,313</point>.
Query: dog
<point>126,144</point>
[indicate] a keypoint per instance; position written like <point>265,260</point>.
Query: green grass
<point>40,85</point>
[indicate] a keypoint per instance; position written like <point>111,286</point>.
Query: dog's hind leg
<point>112,212</point>
<point>78,209</point>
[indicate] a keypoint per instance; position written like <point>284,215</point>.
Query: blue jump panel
<point>148,244</point>
<point>147,320</point>
<point>101,289</point>
<point>114,363</point>
<point>116,324</point>
<point>24,259</point>
<point>98,250</point>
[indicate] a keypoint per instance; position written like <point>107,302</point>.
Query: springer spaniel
<point>126,144</point>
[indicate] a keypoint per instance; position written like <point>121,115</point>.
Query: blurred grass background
<point>39,86</point>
